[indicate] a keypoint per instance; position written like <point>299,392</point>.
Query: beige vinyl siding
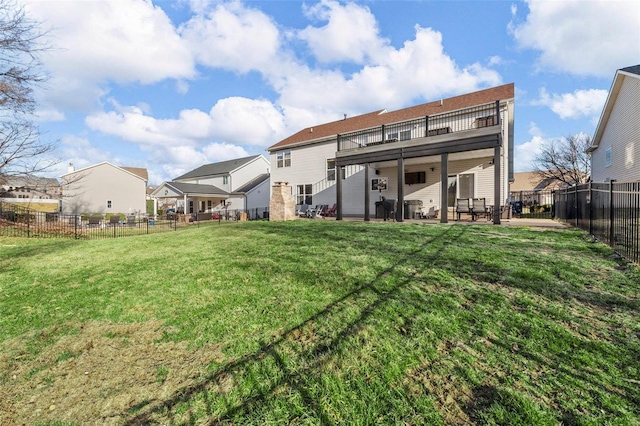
<point>308,165</point>
<point>248,172</point>
<point>429,192</point>
<point>622,134</point>
<point>97,185</point>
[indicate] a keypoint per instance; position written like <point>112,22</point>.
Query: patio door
<point>460,186</point>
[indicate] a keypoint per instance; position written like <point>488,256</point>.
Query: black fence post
<point>577,205</point>
<point>611,215</point>
<point>590,207</point>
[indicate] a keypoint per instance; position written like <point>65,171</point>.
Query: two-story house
<point>615,149</point>
<point>459,147</point>
<point>239,184</point>
<point>30,188</point>
<point>104,188</point>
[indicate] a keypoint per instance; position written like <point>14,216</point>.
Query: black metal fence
<point>532,204</point>
<point>19,221</point>
<point>608,211</point>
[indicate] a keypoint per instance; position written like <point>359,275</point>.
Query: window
<point>379,184</point>
<point>283,159</point>
<point>331,169</point>
<point>304,195</point>
<point>392,136</point>
<point>208,204</point>
<point>411,178</point>
<point>406,135</point>
<point>225,180</point>
<point>108,204</point>
<point>607,157</point>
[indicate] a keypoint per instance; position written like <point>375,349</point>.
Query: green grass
<point>324,322</point>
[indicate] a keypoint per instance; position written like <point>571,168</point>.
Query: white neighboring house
<point>460,147</point>
<point>104,188</point>
<point>615,150</point>
<point>240,184</point>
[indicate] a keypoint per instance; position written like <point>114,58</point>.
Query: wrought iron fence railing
<point>608,211</point>
<point>20,221</point>
<point>532,204</point>
<point>476,117</point>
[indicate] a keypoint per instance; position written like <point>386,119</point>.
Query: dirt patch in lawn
<point>105,374</point>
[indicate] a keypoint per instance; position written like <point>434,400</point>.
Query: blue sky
<point>172,85</point>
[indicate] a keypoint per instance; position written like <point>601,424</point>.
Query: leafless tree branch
<point>22,152</point>
<point>565,160</point>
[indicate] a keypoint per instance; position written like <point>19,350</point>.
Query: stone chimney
<point>282,205</point>
<point>71,169</point>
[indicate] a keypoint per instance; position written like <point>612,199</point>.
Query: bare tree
<point>21,148</point>
<point>565,160</point>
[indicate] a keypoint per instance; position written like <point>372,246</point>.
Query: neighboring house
<point>615,150</point>
<point>104,188</point>
<point>239,184</point>
<point>530,188</point>
<point>460,147</point>
<point>30,188</point>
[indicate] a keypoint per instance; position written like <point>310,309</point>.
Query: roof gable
<point>221,168</point>
<point>328,131</point>
<point>616,85</point>
<point>140,173</point>
<point>252,184</point>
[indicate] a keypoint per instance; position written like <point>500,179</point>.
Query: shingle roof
<point>635,69</point>
<point>220,168</point>
<point>377,118</point>
<point>138,171</point>
<point>31,181</point>
<point>252,184</point>
<point>194,188</point>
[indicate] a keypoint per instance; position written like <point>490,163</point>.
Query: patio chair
<point>462,206</point>
<point>480,208</point>
<point>315,211</point>
<point>302,210</point>
<point>332,211</point>
<point>432,213</point>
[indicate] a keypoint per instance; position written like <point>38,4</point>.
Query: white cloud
<point>247,121</point>
<point>582,37</point>
<point>580,103</point>
<point>233,37</point>
<point>351,32</point>
<point>97,42</point>
<point>420,69</point>
<point>525,154</point>
<point>238,121</point>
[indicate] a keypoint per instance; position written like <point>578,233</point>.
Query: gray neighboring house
<point>104,188</point>
<point>615,150</point>
<point>238,184</point>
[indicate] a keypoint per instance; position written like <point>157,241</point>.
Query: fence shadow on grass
<point>309,360</point>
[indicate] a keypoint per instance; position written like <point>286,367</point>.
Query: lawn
<point>320,322</point>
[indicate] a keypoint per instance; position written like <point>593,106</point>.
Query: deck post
<point>400,201</point>
<point>496,184</point>
<point>338,192</point>
<point>367,194</point>
<point>444,188</point>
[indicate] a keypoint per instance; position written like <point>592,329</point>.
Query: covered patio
<point>190,199</point>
